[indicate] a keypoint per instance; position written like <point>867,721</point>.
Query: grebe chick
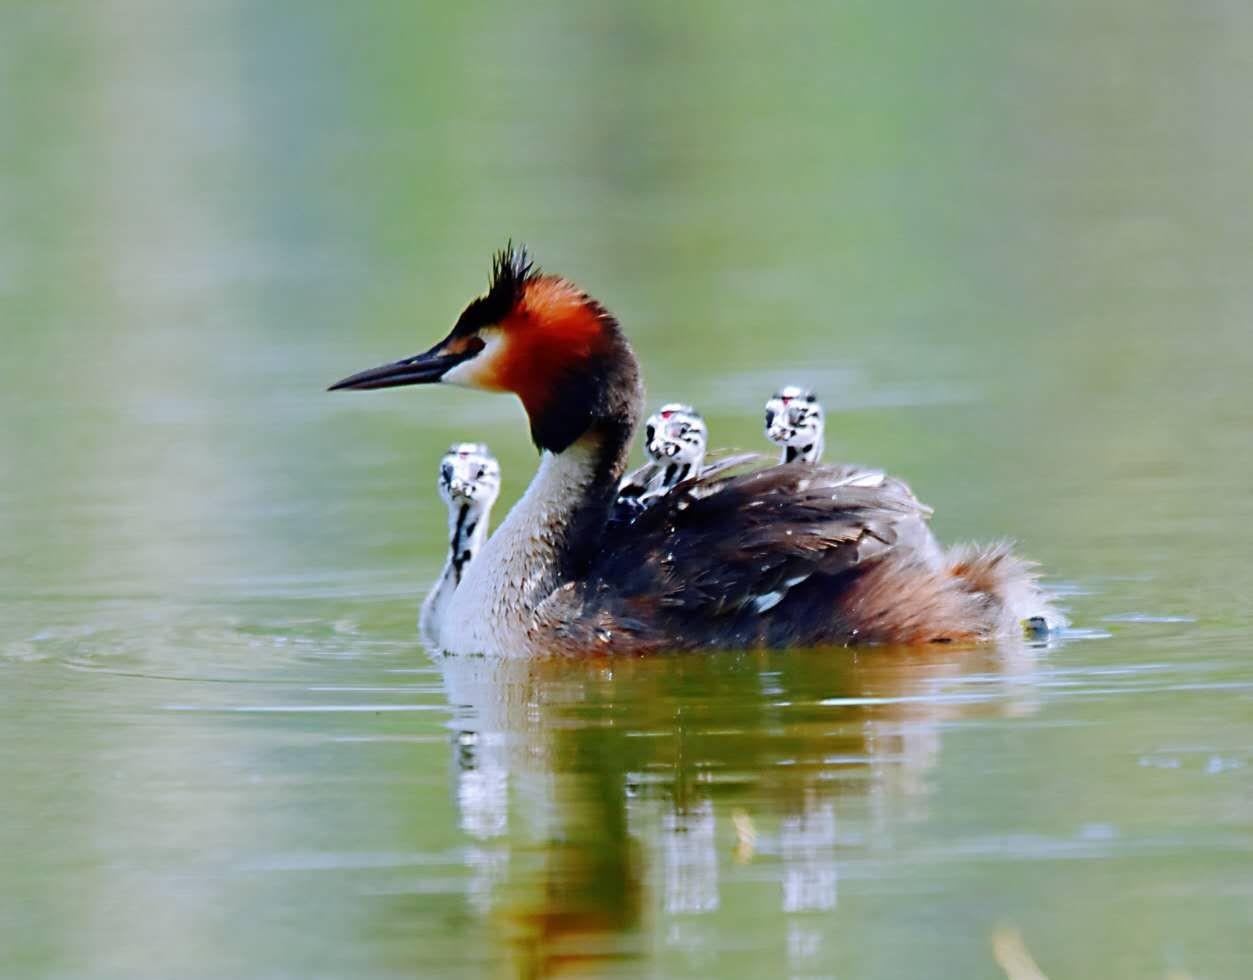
<point>794,421</point>
<point>675,438</point>
<point>792,555</point>
<point>469,482</point>
<point>675,442</point>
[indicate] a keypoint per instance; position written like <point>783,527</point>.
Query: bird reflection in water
<point>482,781</point>
<point>611,803</point>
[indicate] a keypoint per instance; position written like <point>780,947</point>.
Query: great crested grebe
<point>794,421</point>
<point>469,482</point>
<point>795,554</point>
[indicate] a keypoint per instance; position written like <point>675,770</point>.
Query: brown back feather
<point>742,559</point>
<point>789,555</point>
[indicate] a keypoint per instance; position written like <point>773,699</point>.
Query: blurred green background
<point>1010,245</point>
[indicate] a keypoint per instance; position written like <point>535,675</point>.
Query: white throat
<point>492,612</point>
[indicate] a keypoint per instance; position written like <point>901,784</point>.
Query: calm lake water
<point>1012,249</point>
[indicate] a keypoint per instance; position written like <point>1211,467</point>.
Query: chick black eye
<point>481,473</point>
<point>650,432</point>
<point>684,429</point>
<point>769,416</point>
<point>445,473</point>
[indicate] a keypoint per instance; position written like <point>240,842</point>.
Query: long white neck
<point>533,551</point>
<point>803,454</point>
<point>467,534</point>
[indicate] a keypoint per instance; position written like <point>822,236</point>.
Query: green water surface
<point>1011,246</point>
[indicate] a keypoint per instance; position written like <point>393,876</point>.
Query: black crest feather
<point>512,269</point>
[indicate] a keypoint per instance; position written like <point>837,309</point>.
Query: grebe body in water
<point>469,483</point>
<point>796,554</point>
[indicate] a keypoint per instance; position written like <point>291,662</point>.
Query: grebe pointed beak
<point>425,368</point>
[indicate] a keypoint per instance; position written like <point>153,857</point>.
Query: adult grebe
<point>469,482</point>
<point>794,421</point>
<point>796,554</point>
